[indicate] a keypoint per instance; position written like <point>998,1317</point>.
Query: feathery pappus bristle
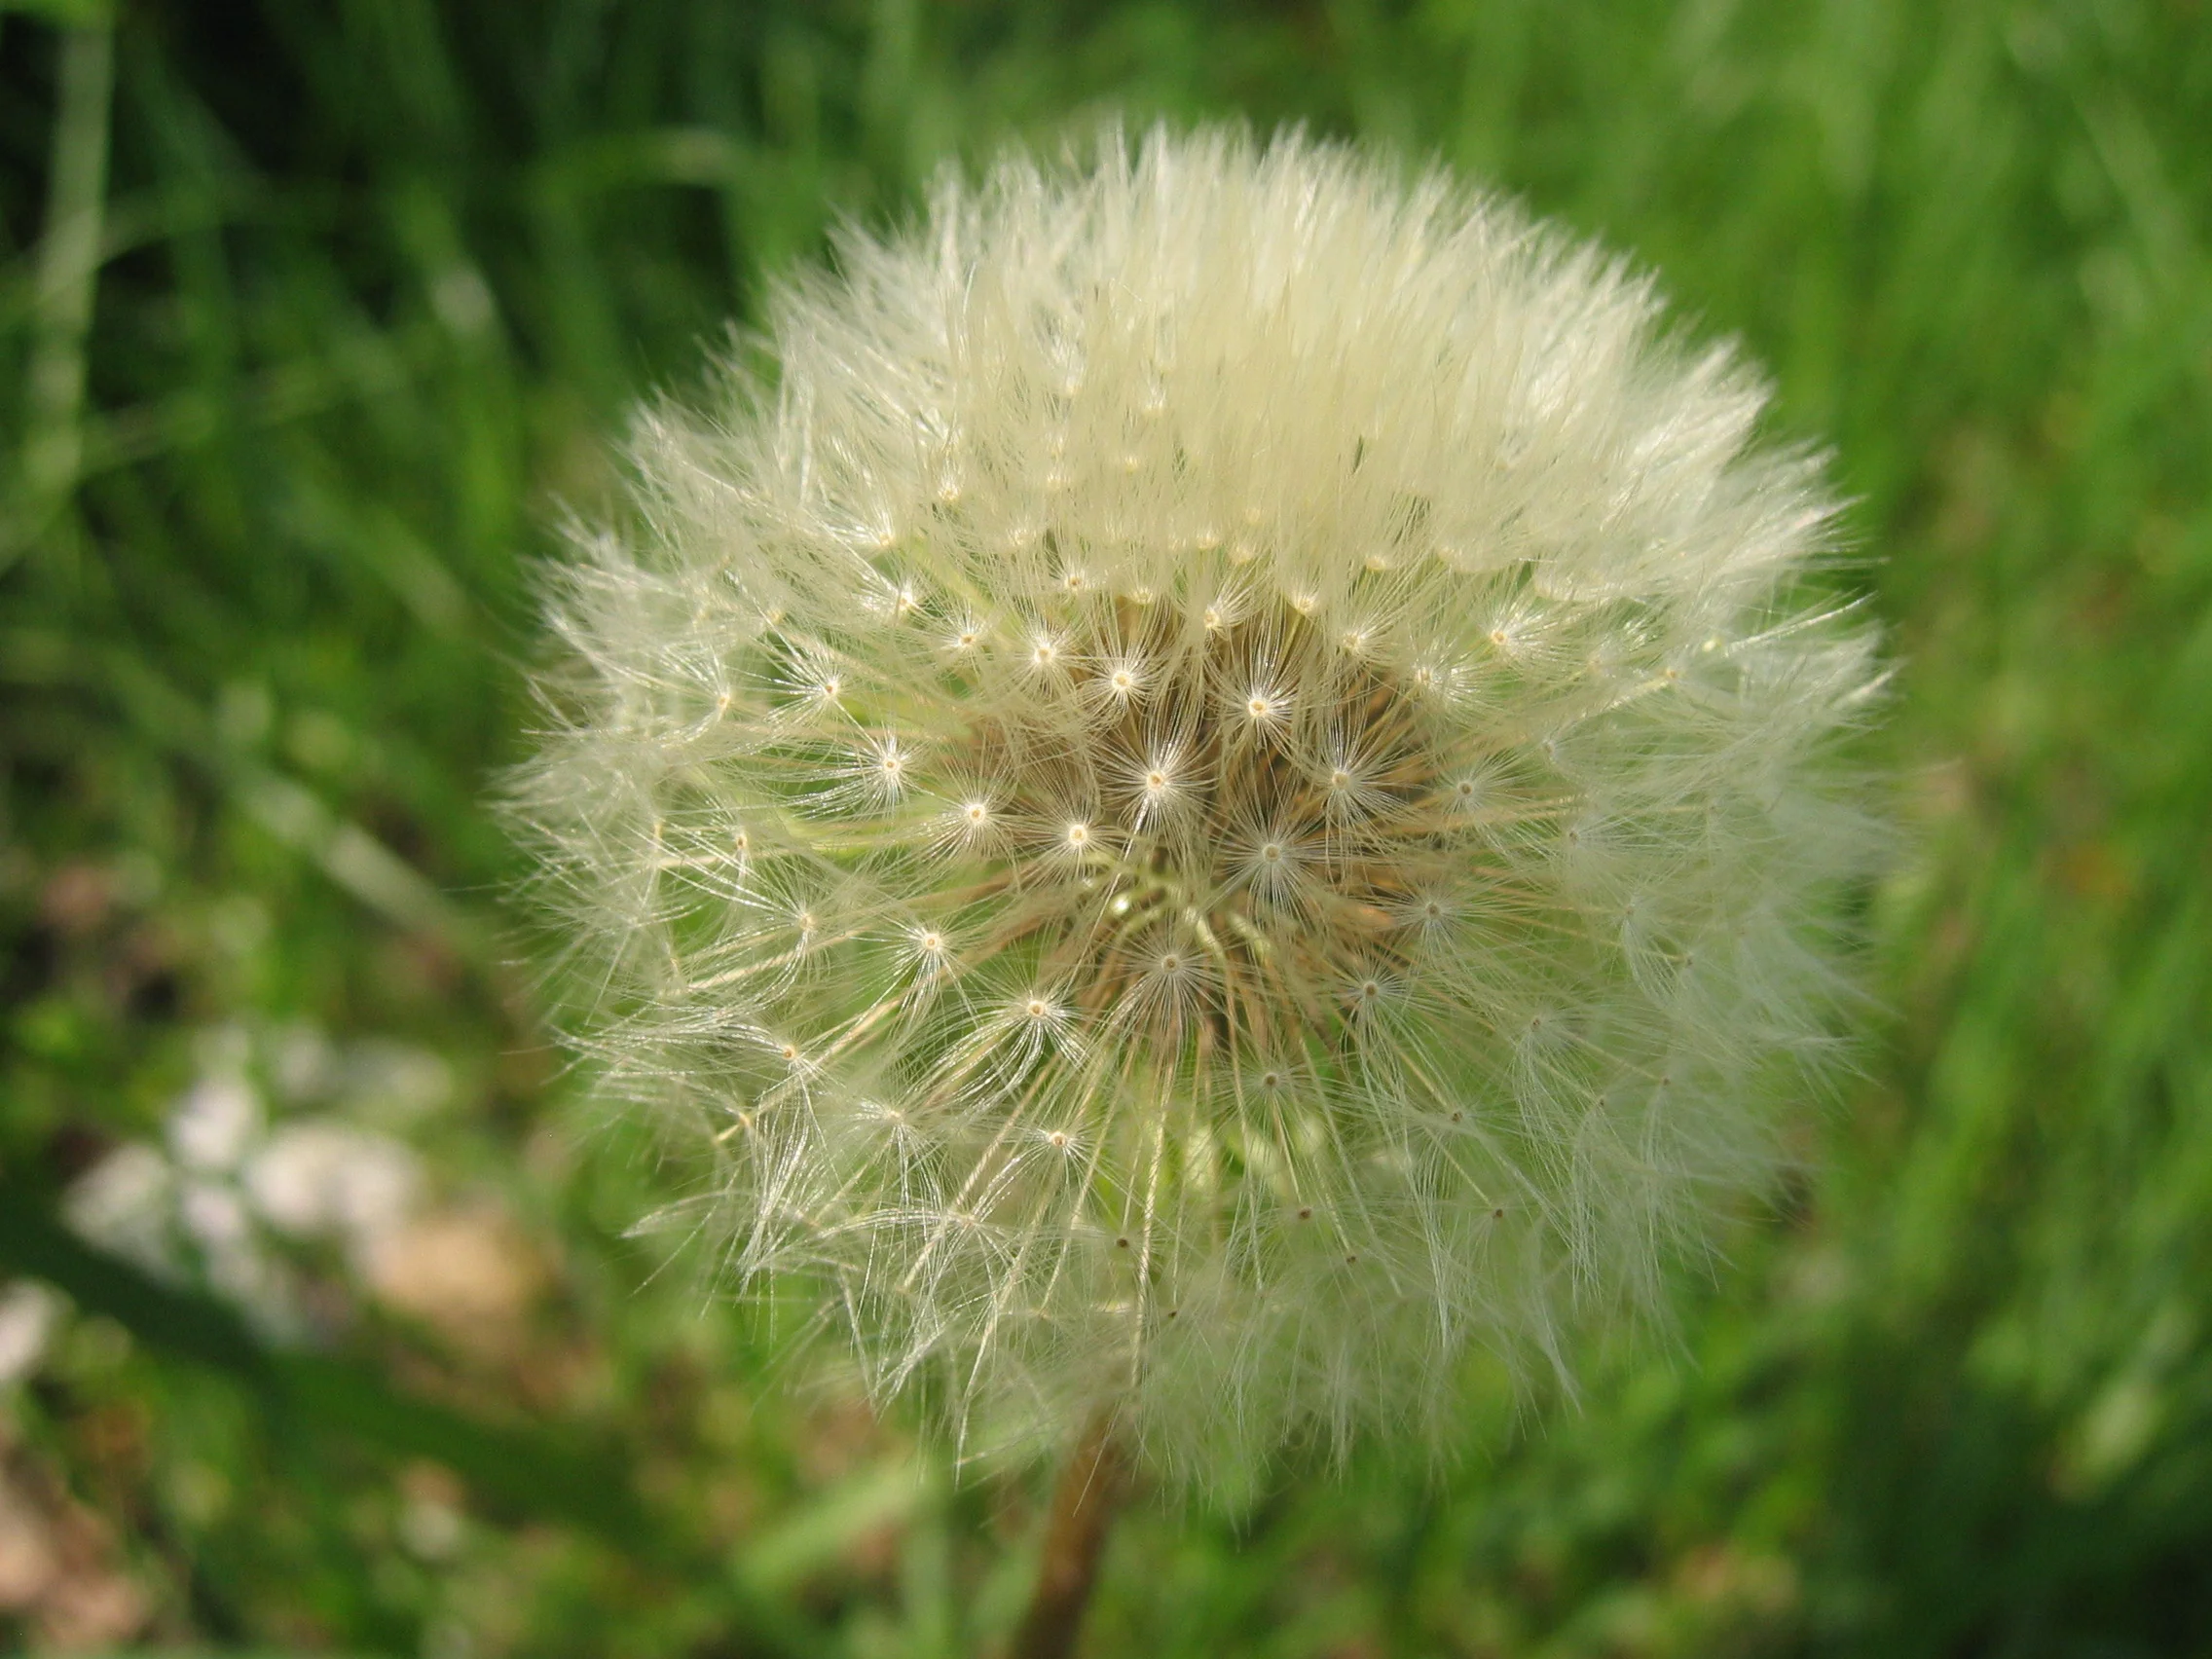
<point>1222,791</point>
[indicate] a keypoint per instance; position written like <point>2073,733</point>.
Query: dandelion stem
<point>1084,1502</point>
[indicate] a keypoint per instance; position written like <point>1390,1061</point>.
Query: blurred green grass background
<point>313,320</point>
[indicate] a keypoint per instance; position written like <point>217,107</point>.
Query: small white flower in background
<point>211,1127</point>
<point>127,1203</point>
<point>320,1179</point>
<point>229,1179</point>
<point>28,1313</point>
<point>1216,795</point>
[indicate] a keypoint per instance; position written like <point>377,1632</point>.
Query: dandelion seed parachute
<point>1221,793</point>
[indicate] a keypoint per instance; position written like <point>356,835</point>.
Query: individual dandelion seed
<point>1212,944</point>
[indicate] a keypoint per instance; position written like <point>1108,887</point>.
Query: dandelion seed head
<point>1369,891</point>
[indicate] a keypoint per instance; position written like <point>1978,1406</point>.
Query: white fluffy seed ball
<point>1218,794</point>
